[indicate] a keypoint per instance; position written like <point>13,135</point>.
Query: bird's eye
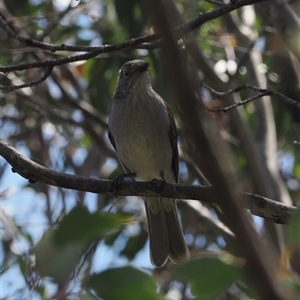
<point>125,74</point>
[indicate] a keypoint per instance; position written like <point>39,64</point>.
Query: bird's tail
<point>178,247</point>
<point>166,237</point>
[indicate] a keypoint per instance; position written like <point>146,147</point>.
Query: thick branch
<point>258,205</point>
<point>260,263</point>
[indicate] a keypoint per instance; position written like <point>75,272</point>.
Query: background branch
<point>262,92</point>
<point>95,51</point>
<point>32,83</point>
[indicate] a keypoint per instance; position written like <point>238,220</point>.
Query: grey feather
<point>143,132</point>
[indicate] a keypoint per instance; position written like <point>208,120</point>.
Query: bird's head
<point>133,78</point>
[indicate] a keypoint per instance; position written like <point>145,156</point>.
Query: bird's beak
<point>143,66</point>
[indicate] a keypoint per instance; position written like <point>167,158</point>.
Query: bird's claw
<point>158,182</point>
<point>117,182</point>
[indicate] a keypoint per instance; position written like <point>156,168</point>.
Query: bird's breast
<point>142,139</point>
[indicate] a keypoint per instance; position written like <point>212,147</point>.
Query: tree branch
<point>32,83</point>
<point>262,92</point>
<point>261,261</point>
<point>258,205</point>
<point>130,44</point>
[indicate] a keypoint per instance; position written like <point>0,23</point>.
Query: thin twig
<point>225,109</point>
<point>32,83</point>
<point>262,92</point>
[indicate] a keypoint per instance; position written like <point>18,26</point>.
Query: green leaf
<point>81,225</point>
<point>209,275</point>
<point>126,283</point>
<point>57,262</point>
<point>65,244</point>
<point>135,244</point>
<point>110,238</point>
<point>297,170</point>
<point>294,228</point>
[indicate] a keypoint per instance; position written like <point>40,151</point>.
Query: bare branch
<point>258,205</point>
<point>71,48</point>
<point>52,62</point>
<point>32,83</point>
<point>225,109</point>
<point>262,92</point>
<point>130,44</point>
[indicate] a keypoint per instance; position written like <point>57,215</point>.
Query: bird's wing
<point>125,168</point>
<point>173,138</point>
<point>111,138</point>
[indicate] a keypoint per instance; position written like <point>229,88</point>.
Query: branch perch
<point>258,205</point>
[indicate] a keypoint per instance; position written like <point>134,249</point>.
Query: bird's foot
<point>117,182</point>
<point>158,183</point>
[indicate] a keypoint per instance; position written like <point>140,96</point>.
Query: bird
<point>143,132</point>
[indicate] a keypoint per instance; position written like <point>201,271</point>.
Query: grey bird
<point>143,132</point>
